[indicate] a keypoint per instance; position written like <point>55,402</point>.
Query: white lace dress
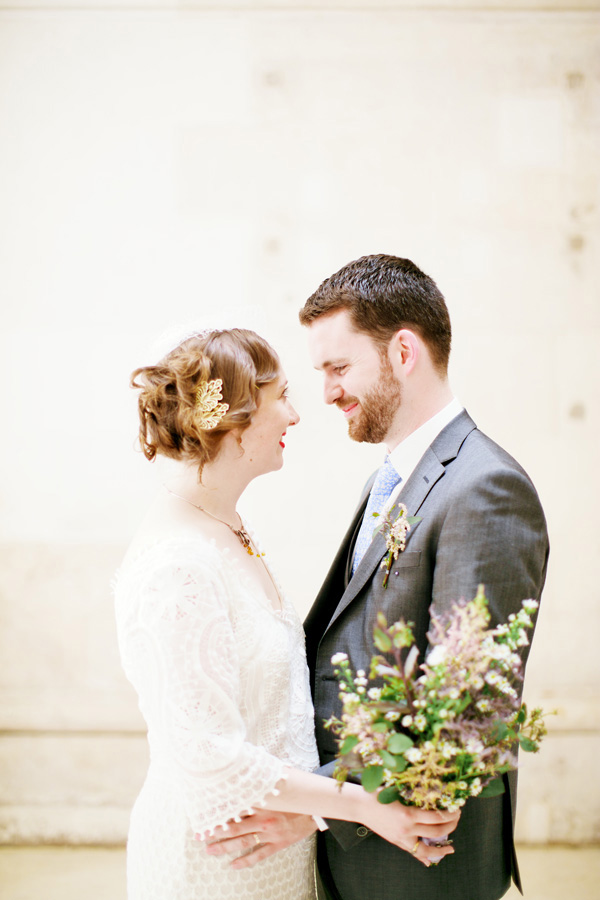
<point>223,687</point>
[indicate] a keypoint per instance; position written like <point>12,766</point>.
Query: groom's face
<point>358,378</point>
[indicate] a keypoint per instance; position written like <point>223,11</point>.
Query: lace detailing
<point>223,687</point>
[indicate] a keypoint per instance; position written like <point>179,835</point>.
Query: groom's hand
<point>258,836</point>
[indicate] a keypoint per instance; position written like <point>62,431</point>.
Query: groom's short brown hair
<point>384,294</point>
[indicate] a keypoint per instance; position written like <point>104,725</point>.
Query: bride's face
<point>263,439</point>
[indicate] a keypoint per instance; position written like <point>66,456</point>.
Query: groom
<point>379,332</point>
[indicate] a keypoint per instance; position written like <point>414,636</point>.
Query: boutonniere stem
<point>395,530</point>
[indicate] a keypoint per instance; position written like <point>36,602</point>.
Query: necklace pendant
<point>244,539</point>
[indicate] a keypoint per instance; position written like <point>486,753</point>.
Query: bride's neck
<point>218,492</point>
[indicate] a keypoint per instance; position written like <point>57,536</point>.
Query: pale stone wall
<point>206,163</point>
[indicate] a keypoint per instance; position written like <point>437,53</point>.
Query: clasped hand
<point>258,836</point>
<point>265,832</point>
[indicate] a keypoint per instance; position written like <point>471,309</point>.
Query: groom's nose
<point>332,390</point>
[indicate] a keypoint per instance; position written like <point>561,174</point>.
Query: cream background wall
<point>165,166</point>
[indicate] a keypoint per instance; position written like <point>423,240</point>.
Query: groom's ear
<point>404,350</point>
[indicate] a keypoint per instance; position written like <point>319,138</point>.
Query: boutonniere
<point>394,531</point>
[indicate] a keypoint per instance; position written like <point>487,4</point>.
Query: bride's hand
<point>404,826</point>
<point>258,836</point>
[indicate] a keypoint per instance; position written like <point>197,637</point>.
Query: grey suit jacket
<point>481,522</point>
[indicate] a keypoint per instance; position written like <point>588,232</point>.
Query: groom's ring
<point>416,847</point>
<point>256,838</point>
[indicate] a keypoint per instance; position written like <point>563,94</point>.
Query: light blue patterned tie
<point>385,481</point>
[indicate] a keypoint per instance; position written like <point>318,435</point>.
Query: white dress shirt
<point>408,453</point>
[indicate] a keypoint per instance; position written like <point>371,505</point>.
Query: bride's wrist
<point>376,815</point>
<point>366,807</point>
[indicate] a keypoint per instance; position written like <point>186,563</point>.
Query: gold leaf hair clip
<point>209,411</point>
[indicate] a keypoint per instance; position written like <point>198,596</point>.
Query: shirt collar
<point>407,454</point>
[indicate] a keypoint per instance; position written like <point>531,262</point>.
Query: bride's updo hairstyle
<point>171,422</point>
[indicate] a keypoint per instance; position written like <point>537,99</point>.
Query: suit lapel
<point>335,584</point>
<point>427,473</point>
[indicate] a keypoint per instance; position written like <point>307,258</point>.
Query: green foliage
<point>398,743</point>
<point>388,795</point>
<point>348,744</point>
<point>527,744</point>
<point>499,731</point>
<point>380,727</point>
<point>382,640</point>
<point>493,789</point>
<point>393,762</point>
<point>437,733</point>
<point>372,777</point>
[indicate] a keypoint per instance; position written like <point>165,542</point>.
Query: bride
<point>213,648</point>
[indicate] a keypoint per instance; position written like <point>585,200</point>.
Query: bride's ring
<point>416,847</point>
<point>256,839</point>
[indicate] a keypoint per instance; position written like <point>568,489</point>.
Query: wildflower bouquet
<point>435,735</point>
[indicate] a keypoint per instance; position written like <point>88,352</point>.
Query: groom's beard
<point>377,408</point>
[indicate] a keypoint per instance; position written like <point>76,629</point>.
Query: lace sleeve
<point>186,667</point>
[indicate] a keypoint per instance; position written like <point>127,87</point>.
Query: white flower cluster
<point>349,698</point>
<point>448,750</point>
<point>413,755</point>
<point>361,681</point>
<point>437,655</point>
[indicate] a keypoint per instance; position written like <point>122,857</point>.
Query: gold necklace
<point>240,533</point>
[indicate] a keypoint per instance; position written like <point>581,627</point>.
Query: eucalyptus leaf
<point>388,795</point>
<point>372,778</point>
<point>349,744</point>
<point>382,640</point>
<point>493,789</point>
<point>388,759</point>
<point>399,742</point>
<point>499,731</point>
